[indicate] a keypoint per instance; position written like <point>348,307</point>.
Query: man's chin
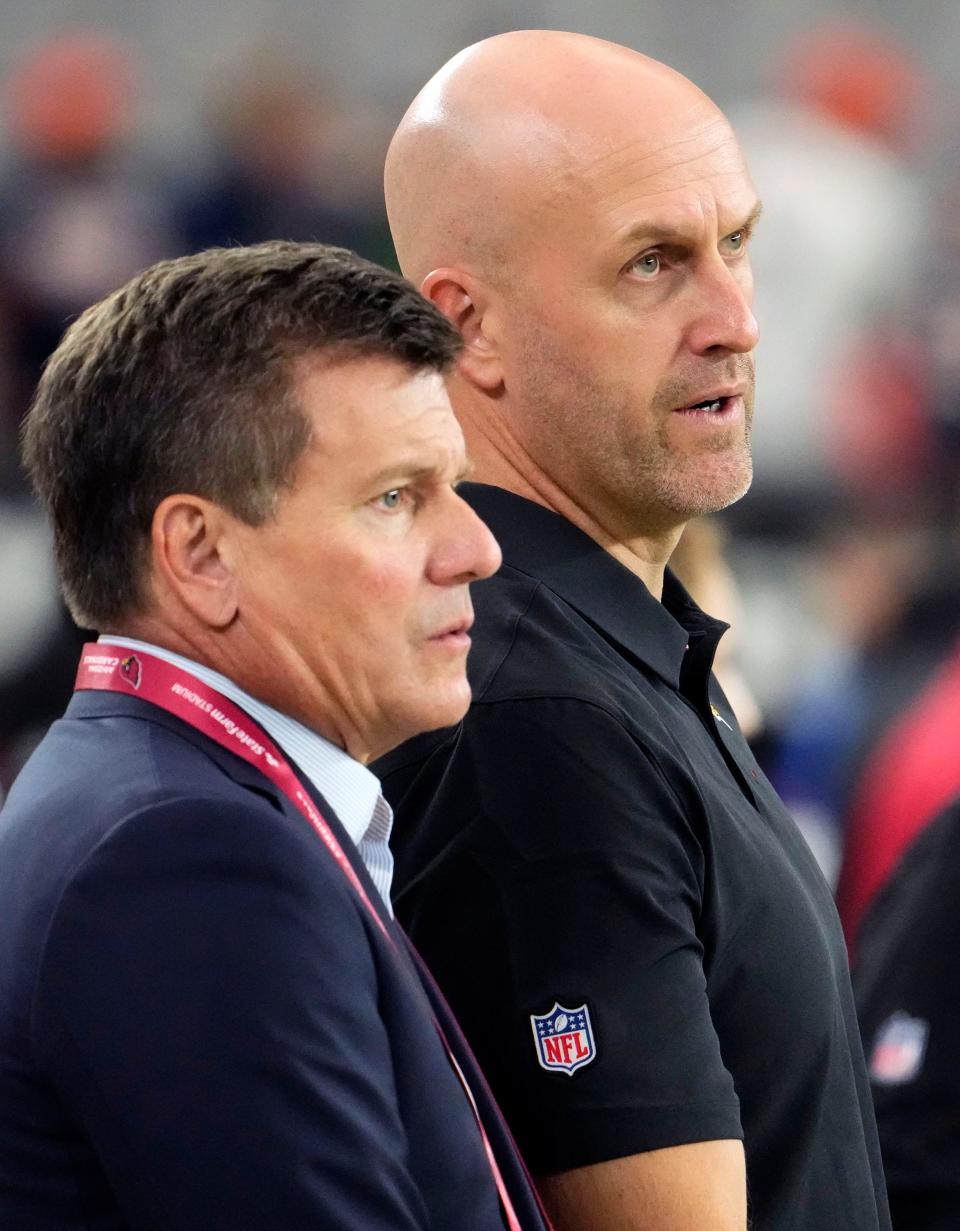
<point>444,708</point>
<point>449,713</point>
<point>738,492</point>
<point>719,490</point>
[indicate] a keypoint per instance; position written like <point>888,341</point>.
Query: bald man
<point>619,907</point>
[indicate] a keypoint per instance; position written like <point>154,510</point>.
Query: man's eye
<point>646,266</point>
<point>392,499</point>
<point>736,241</point>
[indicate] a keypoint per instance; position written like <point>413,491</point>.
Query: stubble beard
<point>717,475</point>
<point>609,453</point>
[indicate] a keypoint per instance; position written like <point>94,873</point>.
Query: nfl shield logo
<point>564,1039</point>
<point>898,1049</point>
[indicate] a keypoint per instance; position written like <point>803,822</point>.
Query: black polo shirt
<point>907,984</point>
<point>631,929</point>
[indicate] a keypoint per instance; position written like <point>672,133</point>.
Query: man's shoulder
<point>530,642</point>
<point>94,774</point>
<point>118,759</point>
<point>536,660</point>
<point>123,800</point>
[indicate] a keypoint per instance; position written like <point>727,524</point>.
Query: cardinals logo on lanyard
<point>130,670</point>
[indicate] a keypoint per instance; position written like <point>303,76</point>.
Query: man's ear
<point>464,301</point>
<point>190,563</point>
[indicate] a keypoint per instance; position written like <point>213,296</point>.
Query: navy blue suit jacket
<point>201,1027</point>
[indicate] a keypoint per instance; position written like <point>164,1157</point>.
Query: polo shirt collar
<point>545,546</point>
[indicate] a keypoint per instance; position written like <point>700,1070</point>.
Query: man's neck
<point>257,673</point>
<point>499,459</point>
<point>144,627</point>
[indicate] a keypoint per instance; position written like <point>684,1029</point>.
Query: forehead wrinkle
<point>637,208</point>
<point>675,138</point>
<point>599,177</point>
<point>642,217</point>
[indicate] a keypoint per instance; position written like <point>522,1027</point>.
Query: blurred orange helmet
<point>860,76</point>
<point>72,97</point>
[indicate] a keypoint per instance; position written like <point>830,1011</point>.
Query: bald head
<point>582,214</point>
<point>508,128</point>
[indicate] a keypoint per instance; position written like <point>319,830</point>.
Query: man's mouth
<point>723,406</point>
<point>455,635</point>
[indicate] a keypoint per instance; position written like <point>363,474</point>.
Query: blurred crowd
<point>83,207</point>
<point>846,553</point>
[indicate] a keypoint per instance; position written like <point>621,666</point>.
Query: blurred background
<point>131,131</point>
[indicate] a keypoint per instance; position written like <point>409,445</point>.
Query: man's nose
<point>468,551</point>
<point>724,317</point>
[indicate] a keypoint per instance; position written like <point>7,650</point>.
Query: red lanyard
<point>115,668</point>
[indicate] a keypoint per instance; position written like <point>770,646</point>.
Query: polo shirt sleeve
<point>574,889</point>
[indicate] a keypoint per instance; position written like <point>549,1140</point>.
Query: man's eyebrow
<point>411,471</point>
<point>751,219</point>
<point>657,232</point>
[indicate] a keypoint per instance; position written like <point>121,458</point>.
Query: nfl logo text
<point>564,1039</point>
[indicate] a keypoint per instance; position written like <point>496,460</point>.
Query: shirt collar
<point>351,790</point>
<point>542,544</point>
